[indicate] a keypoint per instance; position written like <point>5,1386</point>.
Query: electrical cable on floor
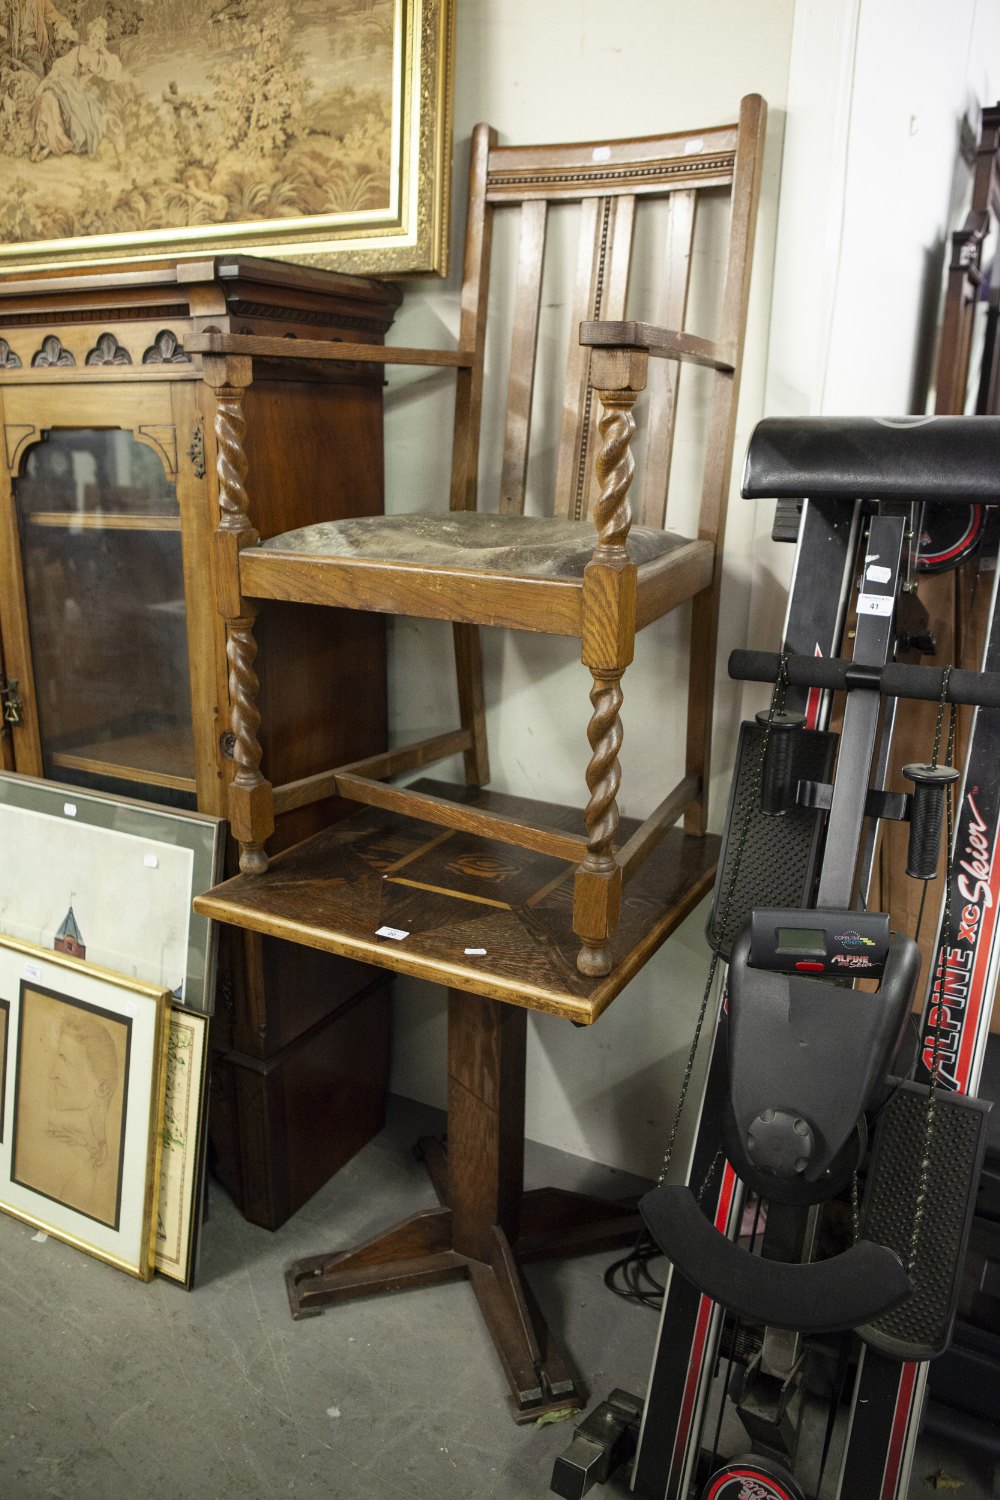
<point>631,1278</point>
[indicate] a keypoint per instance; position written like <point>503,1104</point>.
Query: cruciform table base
<point>487,1226</point>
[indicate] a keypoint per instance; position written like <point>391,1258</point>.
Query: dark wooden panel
<point>283,1125</point>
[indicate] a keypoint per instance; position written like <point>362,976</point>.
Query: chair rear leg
<point>471,705</point>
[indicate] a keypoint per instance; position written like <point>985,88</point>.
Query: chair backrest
<point>608,181</point>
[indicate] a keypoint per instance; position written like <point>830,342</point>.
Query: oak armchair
<point>584,570</point>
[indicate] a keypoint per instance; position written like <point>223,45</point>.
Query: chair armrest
<point>322,350</point>
<point>662,343</point>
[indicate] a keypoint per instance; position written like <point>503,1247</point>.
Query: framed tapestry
<point>111,881</point>
<point>313,131</point>
<point>85,1071</point>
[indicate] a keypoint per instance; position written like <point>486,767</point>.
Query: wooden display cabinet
<point>113,669</point>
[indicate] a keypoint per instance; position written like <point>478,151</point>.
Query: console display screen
<point>801,940</point>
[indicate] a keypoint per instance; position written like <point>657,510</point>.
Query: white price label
<point>32,971</point>
<point>476,952</point>
<point>874,604</point>
<point>150,861</point>
<point>878,574</point>
<point>69,808</point>
<point>396,933</point>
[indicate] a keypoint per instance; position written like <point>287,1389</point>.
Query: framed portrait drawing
<point>84,1096</point>
<point>314,131</point>
<point>111,881</point>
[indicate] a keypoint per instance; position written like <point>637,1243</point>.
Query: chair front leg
<point>609,609</point>
<point>251,811</point>
<point>249,802</point>
<point>598,881</point>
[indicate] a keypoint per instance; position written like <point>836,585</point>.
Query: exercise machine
<point>815,1244</point>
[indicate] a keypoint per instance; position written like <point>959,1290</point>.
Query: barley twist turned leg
<point>601,815</point>
<point>615,469</point>
<point>609,599</point>
<point>251,813</point>
<point>249,792</point>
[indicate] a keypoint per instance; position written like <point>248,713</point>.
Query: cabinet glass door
<point>101,547</point>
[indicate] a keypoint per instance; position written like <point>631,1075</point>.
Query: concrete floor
<point>116,1389</point>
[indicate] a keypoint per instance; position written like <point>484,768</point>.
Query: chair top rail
<point>643,165</point>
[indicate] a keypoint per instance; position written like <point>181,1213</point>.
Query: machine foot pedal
<point>921,1326</point>
<point>775,864</point>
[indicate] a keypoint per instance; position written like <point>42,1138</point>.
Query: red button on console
<point>809,967</point>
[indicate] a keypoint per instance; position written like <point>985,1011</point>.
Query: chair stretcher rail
<point>323,784</point>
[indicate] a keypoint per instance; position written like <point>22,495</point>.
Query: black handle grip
<point>778,779</point>
<point>926,817</point>
<point>834,673</point>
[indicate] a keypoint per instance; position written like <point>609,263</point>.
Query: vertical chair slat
<point>664,374</point>
<point>523,350</point>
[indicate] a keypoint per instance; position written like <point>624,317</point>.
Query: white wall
<point>568,70</point>
<point>872,185</point>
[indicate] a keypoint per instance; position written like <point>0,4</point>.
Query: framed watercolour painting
<point>110,880</point>
<point>314,131</point>
<point>83,1095</point>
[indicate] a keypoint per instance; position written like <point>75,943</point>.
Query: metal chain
<point>855,1209</point>
<point>776,707</point>
<point>925,1164</point>
<point>712,1168</point>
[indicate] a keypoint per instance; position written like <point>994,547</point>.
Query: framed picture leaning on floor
<point>110,881</point>
<point>83,1076</point>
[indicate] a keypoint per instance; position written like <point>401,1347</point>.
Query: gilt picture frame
<point>311,131</point>
<point>84,1099</point>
